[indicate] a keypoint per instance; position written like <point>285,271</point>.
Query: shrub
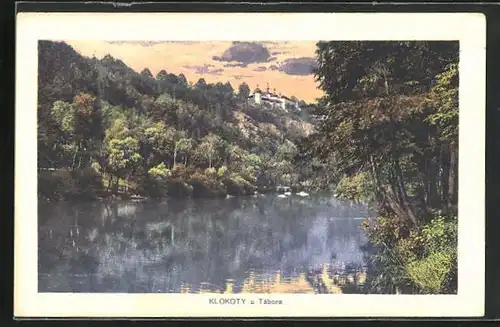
<point>411,247</point>
<point>355,188</point>
<point>160,171</point>
<point>430,273</point>
<point>88,183</point>
<point>425,256</point>
<point>53,186</point>
<point>434,266</point>
<point>440,234</point>
<point>152,187</point>
<point>222,171</point>
<point>237,185</point>
<point>247,176</point>
<point>182,172</point>
<point>64,184</point>
<point>211,171</point>
<point>386,230</point>
<point>179,189</point>
<point>96,166</point>
<point>206,186</point>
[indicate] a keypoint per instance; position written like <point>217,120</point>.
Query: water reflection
<point>257,245</point>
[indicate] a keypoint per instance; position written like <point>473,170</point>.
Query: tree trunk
<point>432,187</point>
<point>175,155</point>
<point>80,161</point>
<point>109,182</point>
<point>78,152</point>
<point>74,159</point>
<point>404,196</point>
<point>380,192</point>
<point>117,184</point>
<point>445,174</point>
<point>452,177</point>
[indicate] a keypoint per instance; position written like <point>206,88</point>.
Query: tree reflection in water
<point>254,244</point>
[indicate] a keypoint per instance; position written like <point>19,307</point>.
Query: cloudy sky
<point>286,66</point>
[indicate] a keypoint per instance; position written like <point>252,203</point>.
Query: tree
<point>160,171</point>
<point>157,143</point>
<point>162,75</point>
<point>243,91</point>
<point>81,125</point>
<point>209,148</point>
<point>176,137</point>
<point>252,165</point>
<point>443,101</point>
<point>184,146</point>
<point>146,73</point>
<point>350,70</point>
<point>165,108</point>
<point>286,151</point>
<point>376,119</point>
<point>201,85</point>
<point>122,157</point>
<point>183,80</point>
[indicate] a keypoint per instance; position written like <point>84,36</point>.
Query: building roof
<point>269,96</point>
<point>271,99</point>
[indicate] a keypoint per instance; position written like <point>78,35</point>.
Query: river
<point>241,244</point>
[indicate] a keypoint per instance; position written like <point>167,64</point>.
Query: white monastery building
<point>272,98</point>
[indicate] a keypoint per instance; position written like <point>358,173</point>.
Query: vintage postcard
<point>249,165</point>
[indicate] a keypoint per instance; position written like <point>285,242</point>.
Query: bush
<point>182,172</point>
<point>152,187</point>
<point>206,186</point>
<point>211,171</point>
<point>425,256</point>
<point>432,267</point>
<point>88,183</point>
<point>238,186</point>
<point>386,230</point>
<point>222,171</point>
<point>430,273</point>
<point>52,186</point>
<point>160,171</point>
<point>96,167</point>
<point>178,189</point>
<point>64,184</point>
<point>440,234</point>
<point>247,176</point>
<point>355,188</point>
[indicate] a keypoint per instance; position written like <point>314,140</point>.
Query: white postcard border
<point>468,28</point>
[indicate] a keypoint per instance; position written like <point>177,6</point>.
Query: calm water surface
<point>247,244</point>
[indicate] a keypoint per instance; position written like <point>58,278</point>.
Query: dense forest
<point>390,138</point>
<point>105,129</point>
<point>387,137</point>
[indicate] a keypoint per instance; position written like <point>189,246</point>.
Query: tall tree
<point>243,91</point>
<point>374,116</point>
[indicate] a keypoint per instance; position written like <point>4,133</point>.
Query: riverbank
<point>89,185</point>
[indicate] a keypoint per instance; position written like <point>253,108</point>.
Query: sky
<point>285,65</point>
